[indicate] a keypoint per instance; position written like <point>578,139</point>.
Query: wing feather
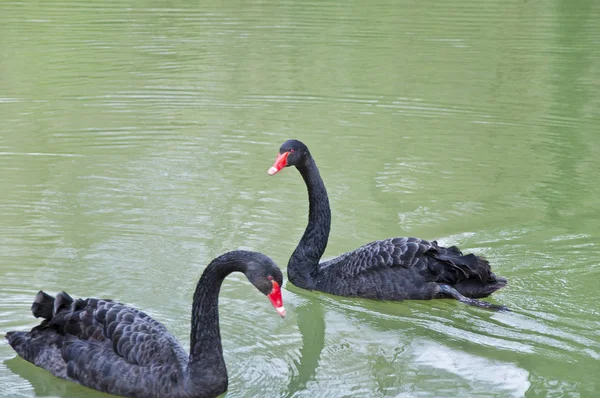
<point>386,253</point>
<point>131,333</point>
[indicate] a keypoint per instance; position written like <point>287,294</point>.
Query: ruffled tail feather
<point>43,305</point>
<point>471,275</point>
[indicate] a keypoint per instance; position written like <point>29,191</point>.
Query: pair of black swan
<point>117,349</point>
<point>389,269</point>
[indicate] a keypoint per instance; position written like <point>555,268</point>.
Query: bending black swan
<point>389,269</point>
<point>117,349</point>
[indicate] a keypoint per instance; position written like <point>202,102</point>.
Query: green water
<point>135,137</point>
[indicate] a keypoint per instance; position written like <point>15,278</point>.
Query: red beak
<point>279,164</point>
<point>276,300</point>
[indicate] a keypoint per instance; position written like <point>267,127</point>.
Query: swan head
<point>291,153</point>
<point>267,278</point>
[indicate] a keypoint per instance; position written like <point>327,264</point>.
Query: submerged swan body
<point>389,269</point>
<point>111,347</point>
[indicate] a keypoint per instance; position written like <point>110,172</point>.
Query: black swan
<point>389,269</point>
<point>117,349</point>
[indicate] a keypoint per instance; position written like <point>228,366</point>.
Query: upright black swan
<point>389,269</point>
<point>117,349</point>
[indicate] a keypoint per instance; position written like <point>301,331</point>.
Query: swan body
<point>111,347</point>
<point>389,269</point>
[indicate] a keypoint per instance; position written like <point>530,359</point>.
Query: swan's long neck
<point>206,351</point>
<point>303,264</point>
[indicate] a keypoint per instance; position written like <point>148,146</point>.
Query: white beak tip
<point>280,311</point>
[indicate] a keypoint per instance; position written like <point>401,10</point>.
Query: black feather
<point>118,349</point>
<point>43,305</point>
<point>389,269</point>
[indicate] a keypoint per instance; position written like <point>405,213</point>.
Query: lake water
<point>135,137</point>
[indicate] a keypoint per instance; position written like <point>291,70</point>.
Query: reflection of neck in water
<point>312,328</point>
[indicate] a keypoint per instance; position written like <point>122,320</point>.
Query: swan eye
<point>291,150</point>
<point>270,277</point>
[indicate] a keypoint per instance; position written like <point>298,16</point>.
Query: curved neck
<point>206,351</point>
<point>303,264</point>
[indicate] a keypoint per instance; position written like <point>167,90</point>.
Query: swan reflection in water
<point>311,324</point>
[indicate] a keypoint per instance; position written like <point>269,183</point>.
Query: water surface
<point>134,143</point>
